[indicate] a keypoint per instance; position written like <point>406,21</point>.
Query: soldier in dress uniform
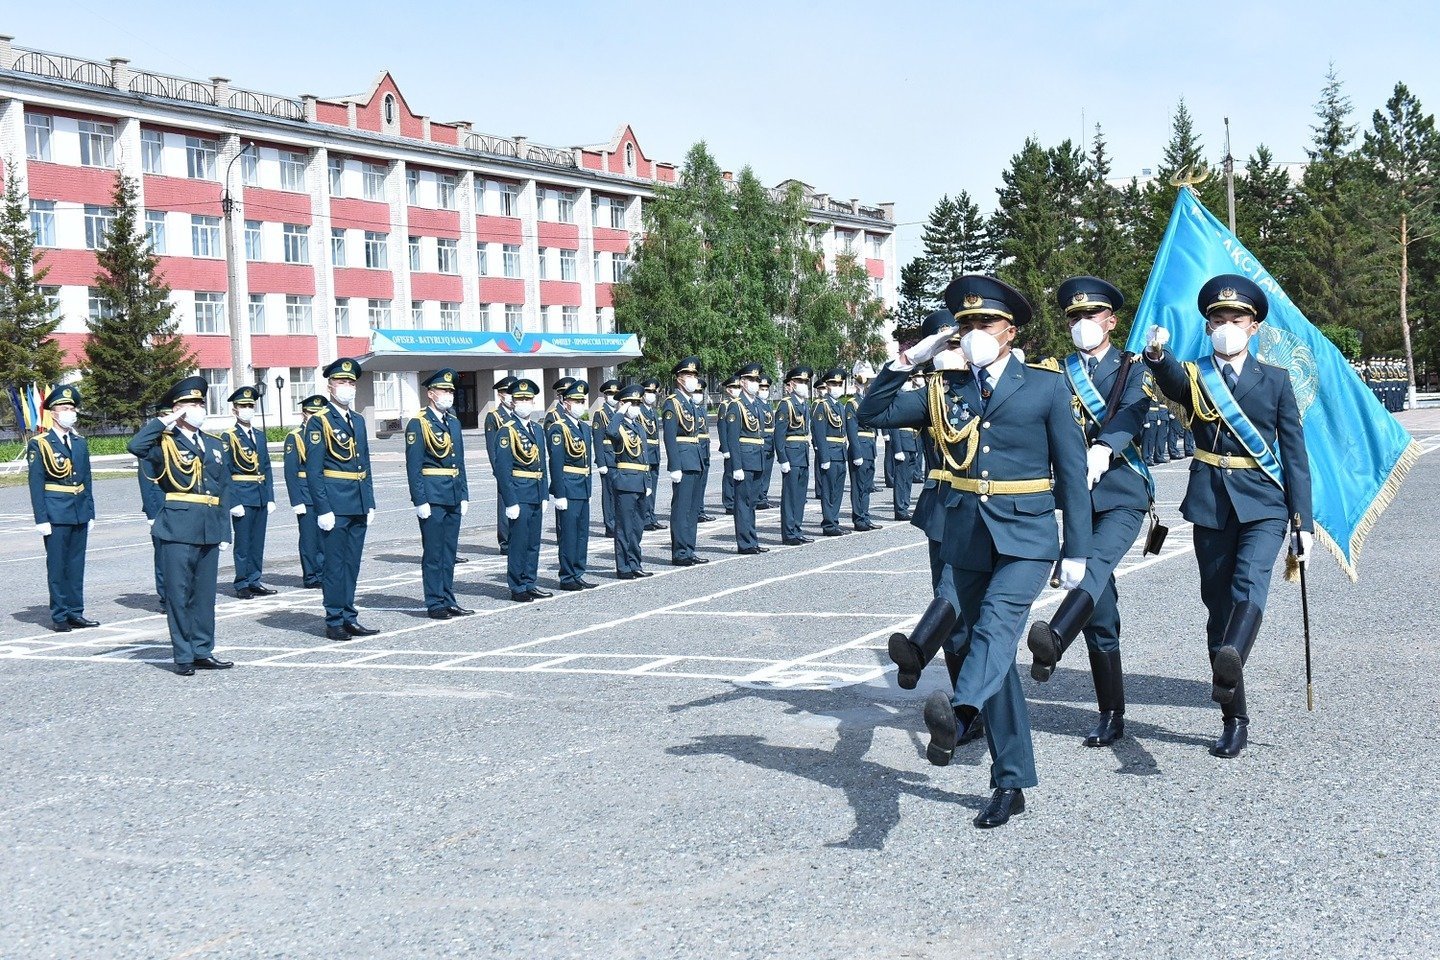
<point>559,389</point>
<point>63,503</point>
<point>727,477</point>
<point>682,424</point>
<point>571,446</point>
<point>1121,494</point>
<point>902,449</point>
<point>151,500</point>
<point>861,449</point>
<point>827,435</point>
<point>440,491</point>
<point>520,469</point>
<point>744,432</point>
<point>651,418</point>
<point>768,473</point>
<point>792,451</point>
<point>337,457</point>
<point>1004,431</point>
<point>495,420</point>
<point>297,487</point>
<point>247,455</point>
<point>1250,480</point>
<point>698,399</point>
<point>193,524</point>
<point>626,433</point>
<point>605,411</point>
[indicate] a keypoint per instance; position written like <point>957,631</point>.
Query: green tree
<point>1104,249</point>
<point>1346,340</point>
<point>914,303</point>
<point>135,353</point>
<point>27,319</point>
<point>956,242</point>
<point>1265,212</point>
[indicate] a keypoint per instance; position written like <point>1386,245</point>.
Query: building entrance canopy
<point>406,350</point>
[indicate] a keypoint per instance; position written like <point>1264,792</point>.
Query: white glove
<point>649,491</point>
<point>464,507</point>
<point>369,516</point>
<point>43,529</point>
<point>170,418</point>
<point>1071,573</point>
<point>900,457</point>
<point>299,509</point>
<point>737,474</point>
<point>784,468</point>
<point>825,466</point>
<point>1019,354</point>
<point>237,511</point>
<point>858,462</point>
<point>512,512</point>
<point>675,476</point>
<point>423,511</point>
<point>560,503</point>
<point>326,521</point>
<point>1097,461</point>
<point>725,454</point>
<point>224,545</point>
<point>270,507</point>
<point>1306,541</point>
<point>1156,340</point>
<point>926,349</point>
<point>151,523</point>
<point>603,470</point>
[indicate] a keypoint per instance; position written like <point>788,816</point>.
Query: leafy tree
<point>27,319</point>
<point>1346,340</point>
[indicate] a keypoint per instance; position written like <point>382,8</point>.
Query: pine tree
<point>27,319</point>
<point>1103,247</point>
<point>1265,212</point>
<point>135,353</point>
<point>956,242</point>
<point>914,304</point>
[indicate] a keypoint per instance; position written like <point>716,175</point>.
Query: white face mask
<point>244,414</point>
<point>650,397</point>
<point>949,360</point>
<point>1086,334</point>
<point>524,409</point>
<point>764,393</point>
<point>632,411</point>
<point>980,348</point>
<point>444,400</point>
<point>195,416</point>
<point>751,387</point>
<point>688,384</point>
<point>734,392</point>
<point>65,418</point>
<point>836,392</point>
<point>802,390</point>
<point>698,396</point>
<point>345,394</point>
<point>1228,339</point>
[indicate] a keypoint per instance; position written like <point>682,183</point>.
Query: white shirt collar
<point>995,369</point>
<point>1238,365</point>
<point>1097,357</point>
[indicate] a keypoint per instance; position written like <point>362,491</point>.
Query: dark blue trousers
<point>65,569</point>
<point>652,486</point>
<point>439,545</point>
<point>686,498</point>
<point>1235,565</point>
<point>249,546</point>
<point>607,503</point>
<point>862,483</point>
<point>629,528</point>
<point>572,526</point>
<point>1114,534</point>
<point>159,570</point>
<point>903,482</point>
<point>190,571</point>
<point>831,488</point>
<point>793,486</point>
<point>727,485</point>
<point>342,547</point>
<point>312,560</point>
<point>502,525</point>
<point>522,563</point>
<point>746,536</point>
<point>766,475</point>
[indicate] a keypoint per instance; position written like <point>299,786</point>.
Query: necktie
<point>1230,378</point>
<point>984,384</point>
<point>1090,364</point>
<point>66,440</point>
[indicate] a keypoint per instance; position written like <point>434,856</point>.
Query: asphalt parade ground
<point>714,762</point>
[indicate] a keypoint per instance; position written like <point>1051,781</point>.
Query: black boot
<point>1048,641</point>
<point>1110,696</point>
<point>1233,738</point>
<point>1228,665</point>
<point>912,653</point>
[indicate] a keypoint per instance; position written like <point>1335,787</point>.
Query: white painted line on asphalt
<point>655,665</point>
<point>766,614</point>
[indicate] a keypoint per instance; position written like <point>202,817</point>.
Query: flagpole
<point>1229,177</point>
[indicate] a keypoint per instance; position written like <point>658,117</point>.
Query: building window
<point>543,257</point>
<point>570,319</point>
<point>218,382</point>
<point>447,255</point>
<point>445,191</point>
<point>342,317</point>
<point>42,222</point>
<point>617,214</point>
<point>374,176</point>
<point>509,200</point>
<point>297,243</point>
<point>877,248</point>
<point>515,317</point>
<point>38,128</point>
<point>417,314</point>
<point>376,257</point>
<point>449,315</point>
<point>595,267</point>
<point>541,195</point>
<point>292,171</point>
<point>254,251</point>
<point>378,314</point>
<point>152,151</point>
<point>877,287</point>
<point>200,158</point>
<point>337,176</point>
<point>97,307</point>
<point>97,144</point>
<point>257,313</point>
<point>619,266</point>
<point>567,265</point>
<point>387,391</point>
<point>52,300</point>
<point>337,247</point>
<point>482,311</point>
<point>210,313</point>
<point>482,259</point>
<point>566,200</point>
<point>205,236</point>
<point>412,187</point>
<point>98,221</point>
<point>302,385</point>
<point>250,167</point>
<point>155,231</point>
<point>389,109</point>
<point>414,248</point>
<point>510,252</point>
<point>629,158</point>
<point>299,316</point>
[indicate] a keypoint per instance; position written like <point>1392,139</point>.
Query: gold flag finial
<point>1190,175</point>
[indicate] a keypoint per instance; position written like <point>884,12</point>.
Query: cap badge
<point>1228,293</point>
<point>973,300</point>
<point>1080,297</point>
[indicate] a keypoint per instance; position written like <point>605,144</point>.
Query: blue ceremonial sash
<point>1236,420</point>
<point>1089,396</point>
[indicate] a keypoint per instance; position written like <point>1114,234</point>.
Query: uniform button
<point>985,425</point>
<point>984,497</point>
<point>984,473</point>
<point>984,449</point>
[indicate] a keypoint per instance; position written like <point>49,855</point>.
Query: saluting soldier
<point>194,521</point>
<point>651,418</point>
<point>297,488</point>
<point>861,444</point>
<point>337,454</point>
<point>827,435</point>
<point>605,411</point>
<point>902,450</point>
<point>440,491</point>
<point>63,504</point>
<point>1111,399</point>
<point>1014,432</point>
<point>769,472</point>
<point>520,481</point>
<point>247,455</point>
<point>682,425</point>
<point>1250,479</point>
<point>571,449</point>
<point>559,388</point>
<point>626,433</point>
<point>697,397</point>
<point>744,432</point>
<point>727,477</point>
<point>495,420</point>
<point>151,500</point>
<point>792,452</point>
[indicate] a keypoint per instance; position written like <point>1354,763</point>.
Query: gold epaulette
<point>1049,363</point>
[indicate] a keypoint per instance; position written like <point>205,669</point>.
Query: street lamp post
<point>280,403</point>
<point>240,345</point>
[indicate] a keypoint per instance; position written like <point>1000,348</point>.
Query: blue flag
<point>1359,453</point>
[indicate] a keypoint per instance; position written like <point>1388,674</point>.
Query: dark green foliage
<point>27,354</point>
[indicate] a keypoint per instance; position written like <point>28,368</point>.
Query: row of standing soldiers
<point>1388,379</point>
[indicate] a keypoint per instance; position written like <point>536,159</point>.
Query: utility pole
<point>1229,177</point>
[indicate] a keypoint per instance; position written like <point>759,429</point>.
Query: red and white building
<point>350,214</point>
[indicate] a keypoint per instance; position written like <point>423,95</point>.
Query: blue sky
<point>897,101</point>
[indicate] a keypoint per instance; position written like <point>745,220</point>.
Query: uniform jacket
<point>520,463</point>
<point>187,468</point>
<point>627,439</point>
<point>572,454</point>
<point>60,483</point>
<point>722,410</point>
<point>768,425</point>
<point>742,432</point>
<point>651,420</point>
<point>600,419</point>
<point>861,440</point>
<point>297,483</point>
<point>682,423</point>
<point>792,431</point>
<point>435,459</point>
<point>495,418</point>
<point>1120,486</point>
<point>904,440</point>
<point>827,431</point>
<point>151,499</point>
<point>247,454</point>
<point>335,443</point>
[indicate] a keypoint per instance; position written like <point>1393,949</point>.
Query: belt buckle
<point>984,487</point>
<point>1225,461</point>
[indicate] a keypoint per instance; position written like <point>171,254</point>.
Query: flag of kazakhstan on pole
<point>1359,453</point>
